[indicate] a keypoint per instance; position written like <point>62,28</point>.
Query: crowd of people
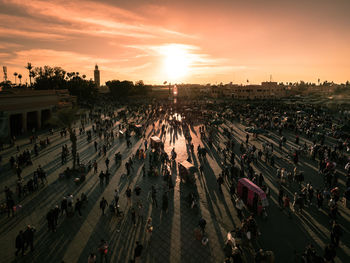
<point>282,136</point>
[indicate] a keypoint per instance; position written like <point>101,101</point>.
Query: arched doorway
<point>16,124</point>
<point>32,120</point>
<point>45,116</point>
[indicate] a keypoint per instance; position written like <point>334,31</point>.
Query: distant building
<point>267,90</point>
<point>23,110</point>
<point>320,90</point>
<point>97,76</point>
<point>216,91</point>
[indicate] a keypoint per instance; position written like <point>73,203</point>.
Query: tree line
<point>56,78</point>
<point>122,89</point>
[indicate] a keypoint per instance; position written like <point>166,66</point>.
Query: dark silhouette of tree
<point>85,90</point>
<point>57,78</point>
<point>121,89</point>
<point>20,79</point>
<point>29,67</point>
<point>139,83</point>
<point>49,78</point>
<point>5,85</point>
<point>15,74</point>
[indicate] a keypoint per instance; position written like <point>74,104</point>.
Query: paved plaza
<point>173,238</point>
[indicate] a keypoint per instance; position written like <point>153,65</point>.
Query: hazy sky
<point>180,41</point>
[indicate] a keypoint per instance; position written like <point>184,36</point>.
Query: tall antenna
<point>4,69</point>
<point>270,78</point>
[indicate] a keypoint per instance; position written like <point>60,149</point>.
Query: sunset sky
<point>178,41</point>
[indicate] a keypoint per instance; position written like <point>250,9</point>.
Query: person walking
<point>19,243</point>
<point>201,169</point>
<point>137,193</point>
<point>107,175</point>
<point>202,223</point>
<point>78,206</point>
<point>165,203</point>
<point>280,198</point>
<point>107,163</point>
<point>286,204</point>
<point>103,205</point>
<point>29,237</point>
<point>239,207</point>
<point>329,253</point>
<point>336,233</point>
<point>220,181</point>
<point>92,258</point>
<point>70,200</point>
<point>103,250</point>
<point>140,212</point>
<point>154,196</point>
<point>133,216</point>
<point>116,197</point>
<point>95,144</point>
<point>128,196</point>
<point>56,213</point>
<point>319,196</point>
<point>138,252</point>
<point>95,167</point>
<point>149,229</point>
<point>101,176</point>
<point>10,207</point>
<point>50,220</point>
<point>64,205</point>
<point>144,170</point>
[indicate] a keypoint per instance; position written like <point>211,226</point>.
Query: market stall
<point>156,142</point>
<point>252,195</point>
<point>186,171</point>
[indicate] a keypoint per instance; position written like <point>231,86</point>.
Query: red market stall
<point>252,195</point>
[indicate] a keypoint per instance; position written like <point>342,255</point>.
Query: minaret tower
<point>97,76</point>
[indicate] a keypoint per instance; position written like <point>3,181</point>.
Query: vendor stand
<point>186,171</point>
<point>252,195</point>
<point>156,143</point>
<point>138,130</point>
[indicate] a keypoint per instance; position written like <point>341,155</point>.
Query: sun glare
<point>176,62</point>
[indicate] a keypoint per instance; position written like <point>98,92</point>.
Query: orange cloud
<point>223,41</point>
<point>94,19</point>
<point>30,34</point>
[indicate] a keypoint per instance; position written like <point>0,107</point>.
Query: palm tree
<point>29,67</point>
<point>15,74</point>
<point>65,118</point>
<point>31,75</point>
<point>20,79</point>
<point>84,76</point>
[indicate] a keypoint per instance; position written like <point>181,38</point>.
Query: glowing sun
<point>176,61</point>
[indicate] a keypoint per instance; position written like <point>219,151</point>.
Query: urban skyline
<point>180,42</point>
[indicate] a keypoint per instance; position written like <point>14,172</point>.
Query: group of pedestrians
<point>24,240</point>
<point>296,143</point>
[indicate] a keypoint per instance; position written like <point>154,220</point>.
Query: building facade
<point>24,110</point>
<point>267,90</point>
